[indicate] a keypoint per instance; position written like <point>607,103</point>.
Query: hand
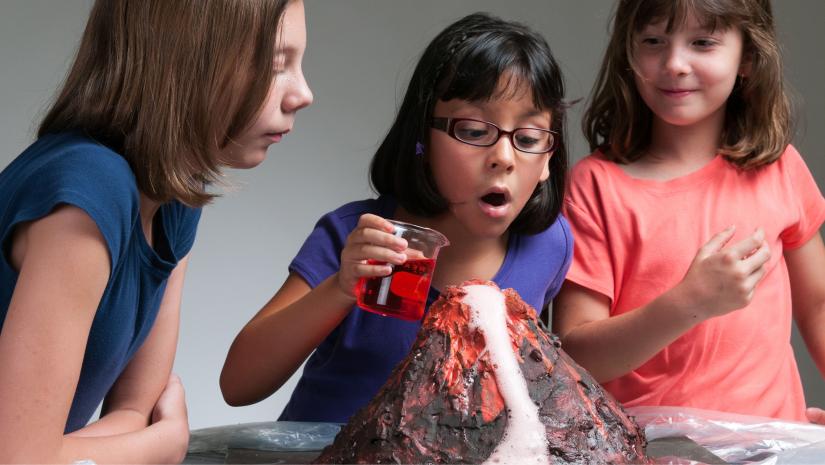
<point>722,279</point>
<point>170,409</point>
<point>816,415</point>
<point>372,239</point>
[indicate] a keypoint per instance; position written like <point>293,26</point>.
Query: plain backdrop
<point>359,58</point>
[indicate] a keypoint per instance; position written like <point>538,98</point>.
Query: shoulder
<point>791,161</point>
<point>319,256</point>
<point>591,178</point>
<point>345,218</point>
<point>590,172</point>
<point>71,165</point>
<point>350,212</point>
<point>555,240</point>
<point>69,169</point>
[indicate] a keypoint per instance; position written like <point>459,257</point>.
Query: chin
<point>249,160</point>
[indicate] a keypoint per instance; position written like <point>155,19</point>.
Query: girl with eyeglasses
<point>99,214</point>
<point>696,222</point>
<point>476,152</point>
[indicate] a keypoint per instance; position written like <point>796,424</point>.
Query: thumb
<point>718,241</point>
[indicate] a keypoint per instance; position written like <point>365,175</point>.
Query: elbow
<point>230,390</point>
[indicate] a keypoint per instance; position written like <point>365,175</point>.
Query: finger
<point>366,270</point>
<point>718,241</point>
<point>746,246</point>
<point>753,279</point>
<point>368,220</point>
<point>757,259</point>
<point>365,252</point>
<point>815,415</point>
<point>380,238</point>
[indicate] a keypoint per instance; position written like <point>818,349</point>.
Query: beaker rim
<point>423,229</point>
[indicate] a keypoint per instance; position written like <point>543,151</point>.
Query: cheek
<point>452,176</point>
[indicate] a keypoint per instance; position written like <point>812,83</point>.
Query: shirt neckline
<point>707,172</point>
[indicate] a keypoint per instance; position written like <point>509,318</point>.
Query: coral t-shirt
<point>635,239</point>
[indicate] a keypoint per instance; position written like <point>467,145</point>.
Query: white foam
<point>524,441</point>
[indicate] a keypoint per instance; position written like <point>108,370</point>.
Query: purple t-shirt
<point>349,367</point>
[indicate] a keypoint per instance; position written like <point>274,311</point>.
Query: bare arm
<point>805,267</point>
<point>718,281</point>
<point>64,267</point>
<point>279,338</point>
<point>130,404</point>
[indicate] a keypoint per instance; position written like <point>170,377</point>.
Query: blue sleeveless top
<point>69,168</point>
<point>349,367</point>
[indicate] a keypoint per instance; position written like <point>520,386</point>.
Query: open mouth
<point>495,199</point>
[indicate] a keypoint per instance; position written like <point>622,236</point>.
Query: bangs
<point>712,14</point>
<point>492,68</point>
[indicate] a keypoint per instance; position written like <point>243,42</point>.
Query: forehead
<point>292,34</point>
<point>675,15</point>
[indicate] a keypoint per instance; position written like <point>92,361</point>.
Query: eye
<point>704,43</point>
<point>650,41</point>
<point>472,131</point>
<point>527,141</point>
<point>533,139</point>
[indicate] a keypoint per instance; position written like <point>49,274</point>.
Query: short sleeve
<point>804,197</point>
<point>88,176</point>
<point>320,255</point>
<point>555,285</point>
<point>591,266</point>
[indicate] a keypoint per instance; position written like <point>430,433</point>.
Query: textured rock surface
<point>442,404</point>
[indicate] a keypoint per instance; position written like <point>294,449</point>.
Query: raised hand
<point>371,241</point>
<point>722,279</point>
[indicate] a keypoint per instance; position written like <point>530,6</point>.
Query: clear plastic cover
<point>677,436</point>
<point>736,439</point>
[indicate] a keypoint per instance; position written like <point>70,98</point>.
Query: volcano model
<point>486,383</point>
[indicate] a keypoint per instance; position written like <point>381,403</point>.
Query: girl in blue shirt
<point>476,152</point>
<point>97,217</point>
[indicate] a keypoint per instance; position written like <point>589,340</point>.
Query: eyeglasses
<point>485,134</point>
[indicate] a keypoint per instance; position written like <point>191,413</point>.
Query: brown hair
<point>167,84</point>
<point>758,122</point>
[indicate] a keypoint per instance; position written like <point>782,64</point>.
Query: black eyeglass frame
<point>448,125</point>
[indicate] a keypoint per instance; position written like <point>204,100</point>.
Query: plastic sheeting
<point>267,436</point>
<point>736,439</point>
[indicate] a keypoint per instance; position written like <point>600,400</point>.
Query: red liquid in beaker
<point>404,293</point>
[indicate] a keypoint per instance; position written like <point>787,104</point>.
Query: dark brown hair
<point>167,84</point>
<point>467,61</point>
<point>758,122</point>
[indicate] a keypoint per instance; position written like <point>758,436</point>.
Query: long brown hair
<point>758,123</point>
<point>167,83</point>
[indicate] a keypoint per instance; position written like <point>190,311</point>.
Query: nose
<point>676,61</point>
<point>298,95</point>
<point>502,155</point>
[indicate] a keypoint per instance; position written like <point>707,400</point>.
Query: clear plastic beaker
<point>403,294</point>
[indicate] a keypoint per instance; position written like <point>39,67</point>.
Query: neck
<point>696,143</point>
<point>468,256</point>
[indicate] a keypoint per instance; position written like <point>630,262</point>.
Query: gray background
<point>360,55</point>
